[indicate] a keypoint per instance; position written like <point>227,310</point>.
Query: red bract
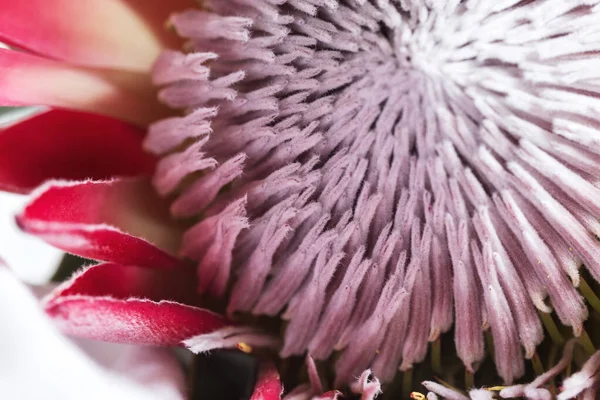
<point>135,321</point>
<point>126,281</point>
<point>268,385</point>
<point>70,145</point>
<point>117,220</point>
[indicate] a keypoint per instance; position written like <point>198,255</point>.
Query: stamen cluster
<point>375,171</point>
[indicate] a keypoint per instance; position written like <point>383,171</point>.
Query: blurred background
<point>32,260</point>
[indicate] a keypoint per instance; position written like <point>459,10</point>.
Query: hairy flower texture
<point>88,61</point>
<point>375,171</point>
<point>583,384</point>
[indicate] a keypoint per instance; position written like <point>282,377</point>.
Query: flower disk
<point>376,170</point>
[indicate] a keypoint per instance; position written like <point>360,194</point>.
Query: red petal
<point>115,221</point>
<point>137,321</point>
<point>268,386</point>
<point>69,145</point>
<point>129,304</point>
<point>26,79</point>
<point>123,282</point>
<point>126,34</point>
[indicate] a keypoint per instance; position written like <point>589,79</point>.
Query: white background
<point>32,260</point>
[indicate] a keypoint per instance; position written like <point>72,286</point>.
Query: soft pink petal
<point>120,221</point>
<point>27,79</point>
<point>39,363</point>
<point>72,145</point>
<point>156,369</point>
<point>268,385</point>
<point>125,34</point>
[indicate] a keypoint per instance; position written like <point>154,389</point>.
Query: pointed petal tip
<point>112,220</point>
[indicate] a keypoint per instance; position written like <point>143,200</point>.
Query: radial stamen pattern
<point>359,164</point>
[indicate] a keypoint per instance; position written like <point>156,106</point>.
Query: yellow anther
<point>417,396</point>
<point>169,26</point>
<point>496,388</point>
<point>246,348</point>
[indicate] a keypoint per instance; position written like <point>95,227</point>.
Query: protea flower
<point>375,173</point>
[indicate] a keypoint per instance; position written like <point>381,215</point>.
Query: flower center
<point>375,170</point>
